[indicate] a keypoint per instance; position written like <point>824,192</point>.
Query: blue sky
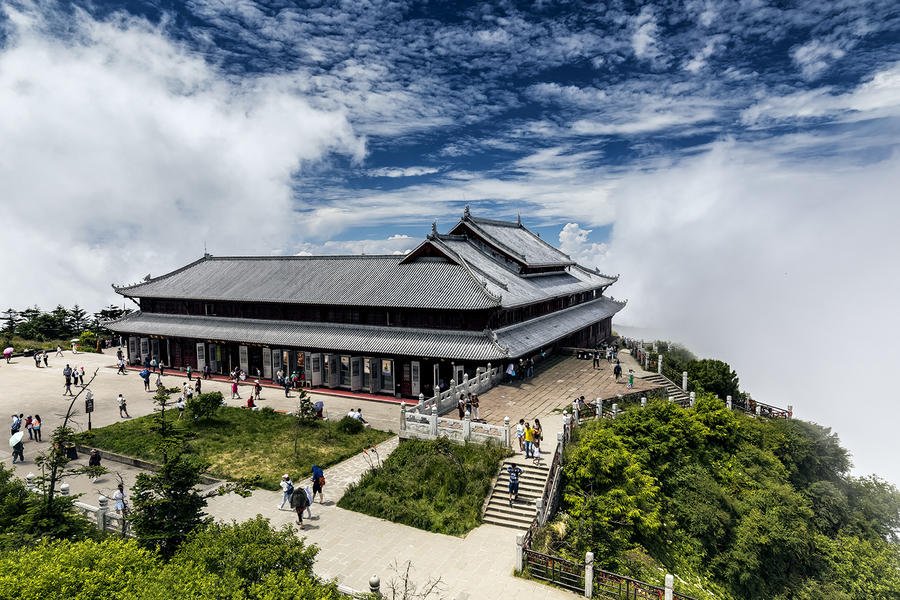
<point>735,162</point>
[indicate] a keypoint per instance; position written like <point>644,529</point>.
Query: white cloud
<point>645,37</point>
<point>815,57</point>
<point>404,172</point>
<point>573,240</point>
<point>118,143</point>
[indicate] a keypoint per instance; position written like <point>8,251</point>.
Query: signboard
<point>88,405</point>
<point>201,356</point>
<point>267,363</point>
<point>243,359</point>
<point>416,383</point>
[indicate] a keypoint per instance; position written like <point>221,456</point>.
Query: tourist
<point>475,415</point>
<point>617,370</point>
<point>287,486</point>
<point>353,414</point>
<point>287,387</point>
<point>359,416</point>
<point>73,348</point>
<point>520,434</point>
<point>257,388</point>
<point>596,359</point>
<point>461,405</point>
<point>37,360</point>
<point>608,354</point>
<point>145,375</point>
<point>59,350</point>
<point>180,406</point>
<point>538,435</point>
<point>530,365</point>
<point>190,372</point>
<point>279,377</point>
<point>121,370</point>
<point>521,369</point>
<point>122,407</point>
<point>250,403</point>
<point>468,405</point>
<point>153,365</point>
<point>16,424</point>
<point>510,372</point>
<point>207,372</point>
<point>537,456</point>
<point>119,499</point>
<point>529,440</point>
<point>162,368</point>
<point>630,378</point>
<point>94,461</point>
<point>197,386</point>
<point>309,498</point>
<point>44,357</point>
<point>234,389</point>
<point>299,502</point>
<point>18,451</point>
<point>318,479</point>
<point>36,427</point>
<point>29,424</point>
<point>514,473</point>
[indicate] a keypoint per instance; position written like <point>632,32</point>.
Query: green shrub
<point>204,406</point>
<point>350,426</point>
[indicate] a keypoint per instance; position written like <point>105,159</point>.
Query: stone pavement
<point>557,382</point>
<point>353,546</point>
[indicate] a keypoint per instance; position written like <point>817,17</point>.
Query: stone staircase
<point>675,392</point>
<point>497,510</point>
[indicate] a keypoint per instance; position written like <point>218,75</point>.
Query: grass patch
<point>243,444</point>
<point>434,486</point>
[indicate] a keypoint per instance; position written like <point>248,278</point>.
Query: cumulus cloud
<point>119,143</point>
<point>573,240</point>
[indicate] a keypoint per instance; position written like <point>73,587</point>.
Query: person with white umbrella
<point>18,447</point>
<point>7,354</point>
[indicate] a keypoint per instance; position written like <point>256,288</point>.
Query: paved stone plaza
<point>353,546</point>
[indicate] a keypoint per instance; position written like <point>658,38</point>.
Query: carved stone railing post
<point>64,489</point>
<point>539,510</point>
<point>728,402</point>
<point>506,439</point>
<point>659,360</point>
<point>670,586</point>
<point>375,586</point>
<point>643,401</point>
<point>684,381</point>
<point>403,416</point>
<point>576,416</point>
<point>615,411</point>
<point>520,552</point>
<point>434,421</point>
<point>588,574</point>
<point>693,398</point>
<point>103,501</point>
<point>467,426</point>
<point>599,414</point>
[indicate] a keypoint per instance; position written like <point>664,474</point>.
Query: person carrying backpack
<point>288,487</point>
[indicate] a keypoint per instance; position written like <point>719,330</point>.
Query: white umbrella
<point>16,438</point>
<point>77,340</point>
<point>9,350</point>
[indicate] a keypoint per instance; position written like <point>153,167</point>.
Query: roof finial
<point>433,229</point>
<point>466,213</point>
<point>519,220</point>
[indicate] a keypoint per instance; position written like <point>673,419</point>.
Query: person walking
<point>121,370</point>
<point>162,368</point>
<point>538,434</point>
<point>197,386</point>
<point>475,415</point>
<point>287,387</point>
<point>207,372</point>
<point>287,486</point>
<point>119,499</point>
<point>36,427</point>
<point>257,388</point>
<point>318,483</point>
<point>514,473</point>
<point>617,370</point>
<point>59,350</point>
<point>596,359</point>
<point>16,424</point>
<point>630,378</point>
<point>122,407</point>
<point>234,389</point>
<point>529,440</point>
<point>299,502</point>
<point>18,451</point>
<point>145,375</point>
<point>190,372</point>
<point>180,406</point>
<point>94,461</point>
<point>44,356</point>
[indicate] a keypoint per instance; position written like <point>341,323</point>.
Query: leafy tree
<point>10,320</point>
<point>713,376</point>
<point>608,493</point>
<point>76,320</point>
<point>109,313</point>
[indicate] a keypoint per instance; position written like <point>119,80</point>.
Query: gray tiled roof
<point>356,339</point>
<point>529,336</point>
<point>512,288</point>
<point>336,280</point>
<point>522,243</point>
<point>521,339</point>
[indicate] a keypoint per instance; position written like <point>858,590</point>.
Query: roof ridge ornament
<point>519,220</point>
<point>466,213</point>
<point>434,231</point>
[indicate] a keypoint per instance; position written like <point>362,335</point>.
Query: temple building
<point>485,292</point>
